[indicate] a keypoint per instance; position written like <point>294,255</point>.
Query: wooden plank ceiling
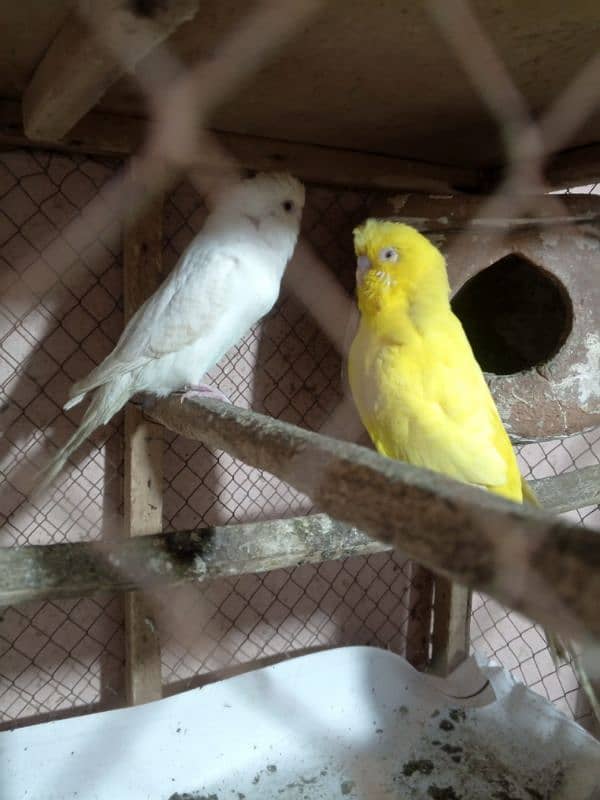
<point>366,75</point>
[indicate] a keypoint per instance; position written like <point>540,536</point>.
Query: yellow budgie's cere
<point>419,390</point>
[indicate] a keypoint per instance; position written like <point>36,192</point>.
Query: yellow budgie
<point>418,389</point>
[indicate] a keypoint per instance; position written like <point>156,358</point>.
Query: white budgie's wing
<point>202,300</point>
<point>202,287</point>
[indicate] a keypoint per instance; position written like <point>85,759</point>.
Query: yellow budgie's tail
<point>562,650</point>
<point>529,496</point>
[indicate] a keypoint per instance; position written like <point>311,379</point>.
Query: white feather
<point>226,280</point>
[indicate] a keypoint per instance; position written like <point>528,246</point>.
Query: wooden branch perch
<point>572,490</point>
<point>40,572</point>
<point>76,69</point>
<point>534,563</point>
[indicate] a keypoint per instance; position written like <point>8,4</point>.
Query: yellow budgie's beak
<point>362,266</point>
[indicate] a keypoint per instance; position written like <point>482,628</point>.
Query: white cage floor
<point>355,722</point>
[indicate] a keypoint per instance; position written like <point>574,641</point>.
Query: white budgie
<point>226,280</point>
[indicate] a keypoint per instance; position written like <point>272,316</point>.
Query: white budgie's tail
<point>106,401</point>
<point>74,401</point>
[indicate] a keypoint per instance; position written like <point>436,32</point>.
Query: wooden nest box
<point>528,294</point>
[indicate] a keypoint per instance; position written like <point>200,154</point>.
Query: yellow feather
<point>417,386</point>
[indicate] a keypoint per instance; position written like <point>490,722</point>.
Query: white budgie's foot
<point>148,401</point>
<point>203,391</point>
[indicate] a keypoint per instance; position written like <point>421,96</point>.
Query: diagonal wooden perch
<point>526,559</point>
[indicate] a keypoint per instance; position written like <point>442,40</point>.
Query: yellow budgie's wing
<point>463,433</point>
<point>447,420</point>
<point>464,450</point>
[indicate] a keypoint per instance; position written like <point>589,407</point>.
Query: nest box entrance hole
<point>516,315</point>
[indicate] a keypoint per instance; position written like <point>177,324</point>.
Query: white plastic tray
<point>355,722</point>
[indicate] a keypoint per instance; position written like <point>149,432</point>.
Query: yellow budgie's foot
<point>204,392</point>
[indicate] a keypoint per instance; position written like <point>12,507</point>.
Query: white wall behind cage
<point>60,314</point>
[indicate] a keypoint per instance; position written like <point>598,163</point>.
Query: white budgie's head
<point>269,204</point>
<point>267,194</point>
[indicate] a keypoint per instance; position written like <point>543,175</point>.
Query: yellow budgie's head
<point>394,263</point>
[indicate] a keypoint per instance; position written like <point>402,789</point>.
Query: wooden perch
<point>569,491</point>
<point>41,572</point>
<point>526,559</point>
<point>77,69</point>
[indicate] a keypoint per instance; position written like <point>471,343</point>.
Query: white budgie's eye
<point>288,206</point>
<point>388,254</point>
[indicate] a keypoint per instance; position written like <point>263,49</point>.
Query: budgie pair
<point>416,384</point>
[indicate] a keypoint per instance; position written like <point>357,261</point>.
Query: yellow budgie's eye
<point>388,254</point>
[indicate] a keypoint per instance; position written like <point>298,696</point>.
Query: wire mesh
<point>60,314</point>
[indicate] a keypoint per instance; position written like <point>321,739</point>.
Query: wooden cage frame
<point>461,533</point>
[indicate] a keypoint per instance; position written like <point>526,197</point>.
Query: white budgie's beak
<point>362,265</point>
